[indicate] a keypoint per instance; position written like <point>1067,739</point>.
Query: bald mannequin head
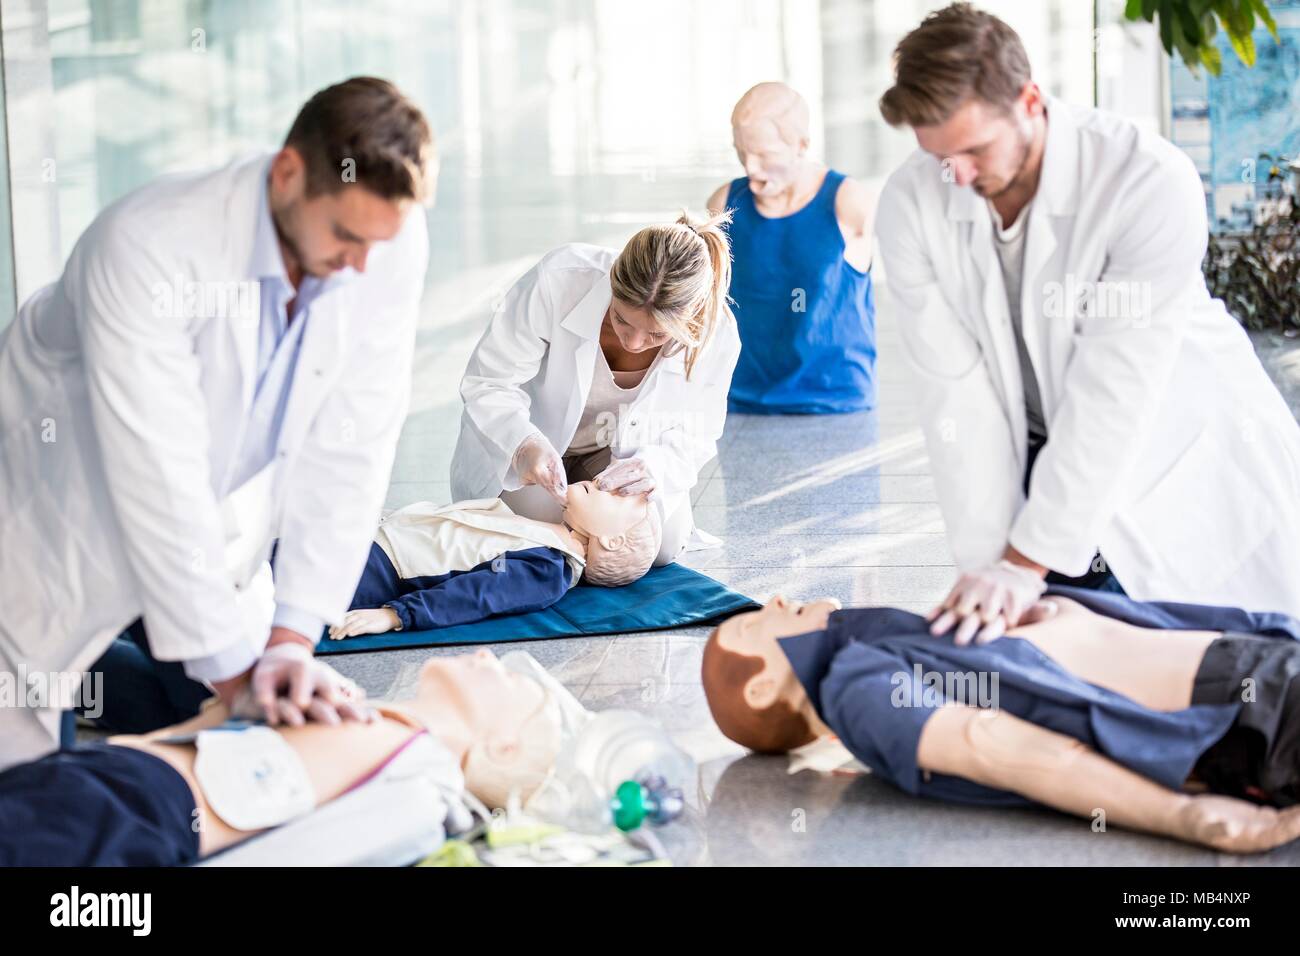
<point>775,104</point>
<point>769,128</point>
<point>620,534</point>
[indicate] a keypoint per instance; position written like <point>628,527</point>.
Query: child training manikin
<point>434,566</point>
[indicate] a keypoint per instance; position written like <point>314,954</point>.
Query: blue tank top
<point>807,318</point>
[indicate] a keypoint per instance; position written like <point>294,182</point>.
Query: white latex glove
<point>626,476</point>
<point>290,685</point>
<point>369,620</point>
<point>989,601</point>
<point>536,462</point>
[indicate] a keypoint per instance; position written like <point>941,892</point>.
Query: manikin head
<point>356,159</point>
<point>669,287</point>
<point>753,693</point>
<point>621,533</point>
<point>508,724</point>
<point>962,82</point>
<point>769,128</point>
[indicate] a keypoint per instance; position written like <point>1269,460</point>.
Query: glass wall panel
<point>557,120</point>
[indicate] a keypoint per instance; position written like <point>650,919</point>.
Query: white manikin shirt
<point>426,539</point>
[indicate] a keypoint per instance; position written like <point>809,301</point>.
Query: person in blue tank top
<point>801,276</point>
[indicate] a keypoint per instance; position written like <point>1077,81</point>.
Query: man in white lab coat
<point>224,362</point>
<point>1088,407</point>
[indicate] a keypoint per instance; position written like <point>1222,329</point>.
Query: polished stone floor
<point>839,506</point>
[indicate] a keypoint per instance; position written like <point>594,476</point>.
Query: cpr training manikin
<point>478,734</point>
<point>435,566</point>
<point>1094,704</point>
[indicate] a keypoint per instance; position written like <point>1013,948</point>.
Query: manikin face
<point>983,146</point>
<point>637,330</point>
<point>503,722</point>
<point>771,164</point>
<point>330,231</point>
<point>602,514</point>
<point>488,699</point>
<point>755,634</point>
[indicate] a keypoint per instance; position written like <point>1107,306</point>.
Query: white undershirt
<point>609,390</point>
<point>1010,245</point>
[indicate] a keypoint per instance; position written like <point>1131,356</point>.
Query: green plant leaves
<point>1243,44</point>
<point>1167,25</point>
<point>1212,59</point>
<point>1262,11</point>
<point>1189,26</point>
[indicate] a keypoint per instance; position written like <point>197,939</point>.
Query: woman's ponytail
<point>680,274</point>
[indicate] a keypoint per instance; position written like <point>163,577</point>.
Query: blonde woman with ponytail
<point>604,366</point>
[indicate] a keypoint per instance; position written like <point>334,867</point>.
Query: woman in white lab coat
<point>606,366</point>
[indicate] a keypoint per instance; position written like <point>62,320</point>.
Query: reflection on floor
<point>840,506</point>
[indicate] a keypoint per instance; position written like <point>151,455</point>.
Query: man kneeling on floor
<point>429,567</point>
<point>385,787</point>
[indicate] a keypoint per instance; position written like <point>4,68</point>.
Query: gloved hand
<point>626,476</point>
<point>536,462</point>
<point>989,601</point>
<point>369,620</point>
<point>288,684</point>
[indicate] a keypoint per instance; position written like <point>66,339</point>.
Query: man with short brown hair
<point>1090,411</point>
<point>225,361</point>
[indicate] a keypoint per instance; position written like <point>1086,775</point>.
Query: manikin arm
<point>996,749</point>
<point>717,202</point>
<point>518,582</point>
<point>855,209</point>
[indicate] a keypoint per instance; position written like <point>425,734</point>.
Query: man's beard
<point>1021,162</point>
<point>290,246</point>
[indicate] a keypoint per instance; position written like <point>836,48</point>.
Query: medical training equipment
<point>251,777</point>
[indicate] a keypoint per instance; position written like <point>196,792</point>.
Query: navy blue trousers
<point>98,805</point>
<point>142,693</point>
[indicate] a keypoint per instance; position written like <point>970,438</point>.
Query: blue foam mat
<point>671,596</point>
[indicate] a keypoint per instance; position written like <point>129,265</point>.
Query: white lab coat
<point>121,414</point>
<point>1168,447</point>
<point>532,369</point>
